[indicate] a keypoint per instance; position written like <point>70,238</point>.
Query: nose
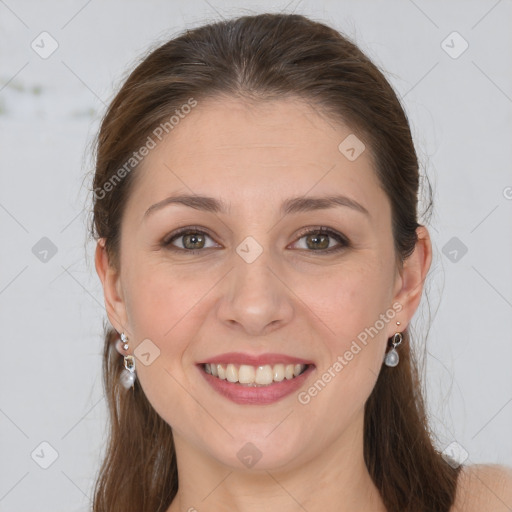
<point>255,301</point>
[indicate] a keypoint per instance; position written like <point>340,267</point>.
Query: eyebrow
<point>292,205</point>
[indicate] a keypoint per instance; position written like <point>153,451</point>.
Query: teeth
<point>246,374</point>
<point>264,375</point>
<point>278,372</point>
<point>231,373</point>
<point>254,376</point>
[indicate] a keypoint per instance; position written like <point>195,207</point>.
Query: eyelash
<point>322,230</point>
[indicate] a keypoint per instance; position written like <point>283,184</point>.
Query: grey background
<point>51,304</point>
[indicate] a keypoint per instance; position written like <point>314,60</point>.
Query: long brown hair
<point>267,56</point>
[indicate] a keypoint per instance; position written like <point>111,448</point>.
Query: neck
<point>337,476</point>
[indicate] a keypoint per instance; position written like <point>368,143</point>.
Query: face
<point>260,280</point>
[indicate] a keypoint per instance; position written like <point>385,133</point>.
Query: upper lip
<point>254,360</point>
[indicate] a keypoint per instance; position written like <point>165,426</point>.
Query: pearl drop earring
<point>392,358</point>
<point>128,375</point>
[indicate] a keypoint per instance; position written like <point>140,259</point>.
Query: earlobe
<point>109,278</point>
<point>412,276</point>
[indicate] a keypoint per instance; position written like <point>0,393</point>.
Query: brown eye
<point>193,241</point>
<point>320,240</point>
<point>187,240</point>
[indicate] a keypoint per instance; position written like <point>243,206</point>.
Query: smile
<point>254,376</point>
<point>255,385</point>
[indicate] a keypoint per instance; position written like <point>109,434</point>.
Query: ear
<point>112,291</point>
<point>410,278</point>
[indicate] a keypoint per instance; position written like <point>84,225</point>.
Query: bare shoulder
<point>484,488</point>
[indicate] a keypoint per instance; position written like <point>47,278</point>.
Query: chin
<point>261,449</point>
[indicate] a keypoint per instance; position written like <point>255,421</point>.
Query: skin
<point>484,487</point>
<point>291,300</point>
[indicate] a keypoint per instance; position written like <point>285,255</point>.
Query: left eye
<point>319,240</point>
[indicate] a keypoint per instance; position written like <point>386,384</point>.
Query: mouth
<point>268,380</point>
<point>254,376</point>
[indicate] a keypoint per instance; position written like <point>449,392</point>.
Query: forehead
<point>260,152</point>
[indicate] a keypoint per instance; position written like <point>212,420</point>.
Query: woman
<point>255,205</point>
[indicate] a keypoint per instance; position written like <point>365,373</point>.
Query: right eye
<point>191,240</point>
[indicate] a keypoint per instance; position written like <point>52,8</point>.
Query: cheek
<point>355,313</point>
<point>162,308</point>
<point>349,300</point>
<point>168,308</point>
<point>158,297</point>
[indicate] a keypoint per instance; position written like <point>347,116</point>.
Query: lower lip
<point>256,395</point>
